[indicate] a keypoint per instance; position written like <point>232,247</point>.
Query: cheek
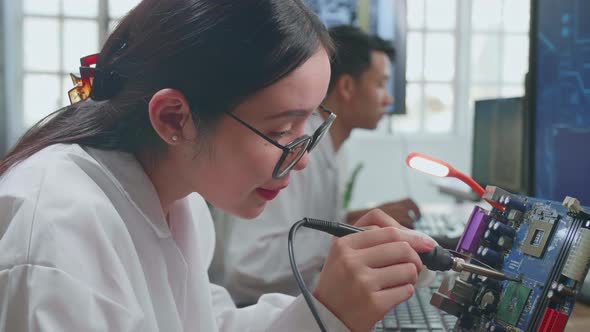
<point>237,168</point>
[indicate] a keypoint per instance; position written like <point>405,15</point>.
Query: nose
<point>302,163</point>
<point>388,100</point>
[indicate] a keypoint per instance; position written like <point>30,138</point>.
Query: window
<point>457,52</point>
<point>499,48</point>
<point>55,35</point>
<point>430,73</point>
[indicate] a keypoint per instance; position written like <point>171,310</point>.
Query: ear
<point>170,116</point>
<point>345,86</point>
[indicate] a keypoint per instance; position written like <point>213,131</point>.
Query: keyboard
<point>417,314</point>
<point>441,225</point>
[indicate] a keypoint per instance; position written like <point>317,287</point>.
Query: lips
<point>267,194</point>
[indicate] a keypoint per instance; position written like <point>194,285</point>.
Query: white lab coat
<point>245,245</point>
<point>84,246</point>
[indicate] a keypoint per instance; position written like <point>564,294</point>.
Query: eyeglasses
<point>293,151</point>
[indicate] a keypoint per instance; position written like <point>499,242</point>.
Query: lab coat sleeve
<point>273,312</point>
<point>40,298</point>
<point>59,270</point>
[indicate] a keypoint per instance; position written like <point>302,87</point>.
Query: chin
<point>250,212</point>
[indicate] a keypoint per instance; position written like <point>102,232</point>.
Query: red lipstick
<point>269,195</point>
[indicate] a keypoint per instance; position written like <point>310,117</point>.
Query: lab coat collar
<point>130,178</point>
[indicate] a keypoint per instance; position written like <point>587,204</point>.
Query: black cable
<point>437,259</point>
<point>334,228</point>
<point>298,277</point>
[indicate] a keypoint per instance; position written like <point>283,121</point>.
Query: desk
<point>580,318</point>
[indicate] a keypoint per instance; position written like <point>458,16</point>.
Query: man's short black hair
<point>353,51</point>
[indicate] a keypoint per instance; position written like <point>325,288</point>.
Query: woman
<point>103,226</point>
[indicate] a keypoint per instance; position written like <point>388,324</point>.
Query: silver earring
<point>174,138</point>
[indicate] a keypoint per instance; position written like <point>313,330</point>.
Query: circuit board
<point>545,245</point>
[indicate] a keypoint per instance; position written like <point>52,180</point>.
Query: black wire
<point>297,274</point>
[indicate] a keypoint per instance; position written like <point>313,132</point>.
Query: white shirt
<point>246,246</point>
<point>84,246</point>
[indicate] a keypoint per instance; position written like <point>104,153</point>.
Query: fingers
<point>405,217</point>
<point>388,254</point>
<point>375,237</point>
<point>389,298</point>
<point>395,276</point>
<point>377,217</point>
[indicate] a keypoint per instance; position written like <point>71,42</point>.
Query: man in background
<point>251,256</point>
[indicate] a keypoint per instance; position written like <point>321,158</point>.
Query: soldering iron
<point>439,259</point>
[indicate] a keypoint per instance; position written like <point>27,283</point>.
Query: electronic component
<point>542,248</point>
<point>503,230</point>
<point>505,242</point>
<point>537,238</point>
<point>491,237</point>
<point>572,204</point>
<point>474,230</point>
<point>515,216</point>
<point>493,193</point>
<point>576,264</point>
<point>552,321</point>
<point>493,327</point>
<point>513,203</point>
<point>489,256</point>
<point>512,302</point>
<point>463,292</point>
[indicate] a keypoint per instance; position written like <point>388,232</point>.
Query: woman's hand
<point>405,212</point>
<point>366,274</point>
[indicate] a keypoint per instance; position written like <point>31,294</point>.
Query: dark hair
<point>353,49</point>
<point>216,52</point>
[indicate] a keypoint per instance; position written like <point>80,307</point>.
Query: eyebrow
<point>290,113</point>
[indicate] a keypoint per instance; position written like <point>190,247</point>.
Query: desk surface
<point>580,318</point>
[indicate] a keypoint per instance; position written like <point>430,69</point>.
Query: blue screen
<point>562,99</point>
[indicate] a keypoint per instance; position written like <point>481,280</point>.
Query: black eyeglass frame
<point>310,141</point>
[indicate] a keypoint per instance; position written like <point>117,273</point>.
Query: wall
<point>386,177</point>
<point>3,120</point>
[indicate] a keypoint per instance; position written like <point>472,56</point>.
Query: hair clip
<point>96,83</point>
<point>83,83</point>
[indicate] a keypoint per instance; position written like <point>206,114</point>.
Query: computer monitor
<point>499,153</point>
<point>560,103</point>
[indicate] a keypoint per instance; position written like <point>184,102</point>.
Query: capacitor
<point>479,249</point>
<point>496,328</point>
<point>488,302</point>
<point>513,203</point>
<point>491,236</point>
<point>491,257</point>
<point>505,242</point>
<point>555,297</point>
<point>502,199</point>
<point>501,229</point>
<point>491,224</point>
<point>566,291</point>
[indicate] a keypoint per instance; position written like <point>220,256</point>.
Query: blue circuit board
<point>535,272</point>
<point>542,245</point>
